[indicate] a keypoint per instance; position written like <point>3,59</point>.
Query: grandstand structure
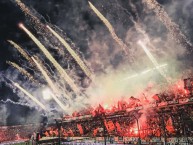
<point>168,120</point>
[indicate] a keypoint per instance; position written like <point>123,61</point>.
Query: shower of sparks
<point>72,53</point>
<point>110,28</point>
<point>30,96</point>
<point>27,12</point>
<point>172,27</point>
<point>23,71</point>
<point>23,53</point>
<point>62,72</point>
<point>51,84</point>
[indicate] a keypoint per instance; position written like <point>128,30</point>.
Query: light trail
<point>110,27</point>
<point>172,27</point>
<point>20,49</point>
<point>30,96</point>
<point>62,72</point>
<point>23,71</point>
<point>145,72</point>
<point>153,60</point>
<point>43,66</point>
<point>51,84</point>
<point>27,12</point>
<point>72,53</point>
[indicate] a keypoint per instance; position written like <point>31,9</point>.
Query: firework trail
<point>138,27</point>
<point>23,53</point>
<point>27,12</point>
<point>153,60</point>
<point>23,71</point>
<point>43,66</point>
<point>172,27</point>
<point>110,28</point>
<point>41,28</point>
<point>47,71</point>
<point>73,53</point>
<point>51,84</point>
<point>62,72</point>
<point>30,96</point>
<point>144,72</point>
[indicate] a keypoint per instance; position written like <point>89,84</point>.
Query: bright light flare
<point>106,106</point>
<point>47,94</point>
<point>135,130</point>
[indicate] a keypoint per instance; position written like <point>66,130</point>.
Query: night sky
<point>74,17</point>
<point>10,17</point>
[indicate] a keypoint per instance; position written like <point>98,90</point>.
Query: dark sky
<point>10,17</point>
<point>57,12</point>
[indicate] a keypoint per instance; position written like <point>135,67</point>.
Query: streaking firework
<point>23,71</point>
<point>153,60</point>
<point>62,72</point>
<point>42,64</point>
<point>172,27</point>
<point>73,54</point>
<point>110,28</point>
<point>27,12</point>
<point>145,72</point>
<point>23,53</point>
<point>51,84</point>
<point>41,67</point>
<point>30,96</point>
